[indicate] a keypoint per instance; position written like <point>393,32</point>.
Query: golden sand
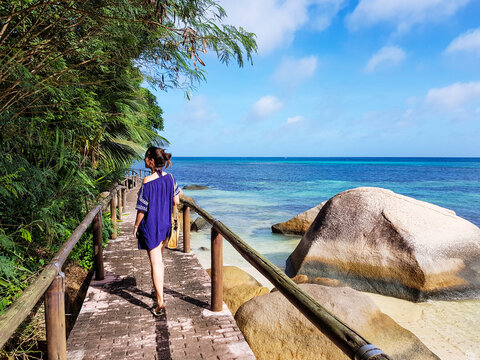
<point>451,329</point>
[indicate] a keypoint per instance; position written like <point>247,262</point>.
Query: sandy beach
<point>451,329</point>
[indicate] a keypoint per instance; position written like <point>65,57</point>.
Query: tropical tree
<point>73,113</point>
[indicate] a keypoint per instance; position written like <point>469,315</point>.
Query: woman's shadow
<point>126,286</point>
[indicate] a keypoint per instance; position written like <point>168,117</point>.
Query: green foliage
<point>74,115</point>
<point>82,253</point>
<point>14,274</point>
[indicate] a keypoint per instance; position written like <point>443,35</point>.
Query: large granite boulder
<point>239,287</point>
<point>298,225</point>
<point>376,240</point>
<point>275,329</point>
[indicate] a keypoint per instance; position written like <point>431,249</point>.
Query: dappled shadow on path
<point>187,298</point>
<point>123,287</point>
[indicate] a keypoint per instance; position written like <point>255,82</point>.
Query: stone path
<point>115,321</point>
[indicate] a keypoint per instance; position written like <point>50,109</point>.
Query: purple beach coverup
<point>155,199</point>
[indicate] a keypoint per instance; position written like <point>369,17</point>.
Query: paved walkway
<point>115,322</point>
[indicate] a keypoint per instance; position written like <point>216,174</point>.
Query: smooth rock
<point>326,282</point>
<point>299,224</point>
<point>239,287</point>
<point>300,279</point>
<point>297,279</point>
<point>199,224</point>
<point>275,329</point>
<point>378,241</point>
<point>195,187</point>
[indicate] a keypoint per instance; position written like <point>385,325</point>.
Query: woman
<point>156,198</point>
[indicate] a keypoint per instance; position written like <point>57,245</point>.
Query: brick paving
<point>115,321</point>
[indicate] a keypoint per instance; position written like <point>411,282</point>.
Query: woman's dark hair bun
<point>160,156</point>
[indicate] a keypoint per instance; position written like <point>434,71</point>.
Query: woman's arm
<point>140,215</point>
<point>176,200</point>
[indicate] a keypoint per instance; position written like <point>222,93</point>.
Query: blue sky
<point>339,78</point>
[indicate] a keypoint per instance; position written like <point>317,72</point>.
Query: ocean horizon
<point>250,194</point>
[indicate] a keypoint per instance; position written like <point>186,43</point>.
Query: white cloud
<point>294,119</point>
<point>266,106</point>
<point>276,21</point>
<point>454,96</point>
<point>197,111</point>
<point>402,13</point>
<point>294,71</point>
<point>387,54</point>
<point>323,11</point>
<point>469,42</point>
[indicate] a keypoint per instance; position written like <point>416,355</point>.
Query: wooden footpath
<point>115,321</point>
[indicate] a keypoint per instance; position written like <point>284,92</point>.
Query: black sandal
<point>160,310</point>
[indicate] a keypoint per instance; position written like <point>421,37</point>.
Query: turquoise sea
<point>251,194</point>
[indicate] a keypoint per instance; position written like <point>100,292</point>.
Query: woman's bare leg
<point>158,271</point>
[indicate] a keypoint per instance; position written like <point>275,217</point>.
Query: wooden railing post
<point>98,247</point>
<point>113,213</point>
<point>124,199</point>
<point>120,204</point>
<point>217,270</point>
<point>186,229</point>
<point>55,319</point>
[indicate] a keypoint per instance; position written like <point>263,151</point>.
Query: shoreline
<point>450,329</point>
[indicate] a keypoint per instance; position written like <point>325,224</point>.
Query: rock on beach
<point>298,225</point>
<point>199,224</point>
<point>275,329</point>
<point>378,241</point>
<point>239,287</point>
<point>195,187</point>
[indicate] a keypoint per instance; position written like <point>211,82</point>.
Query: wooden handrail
<point>345,338</point>
<point>11,319</point>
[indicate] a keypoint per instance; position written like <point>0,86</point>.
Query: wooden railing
<point>51,281</point>
<point>345,338</point>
